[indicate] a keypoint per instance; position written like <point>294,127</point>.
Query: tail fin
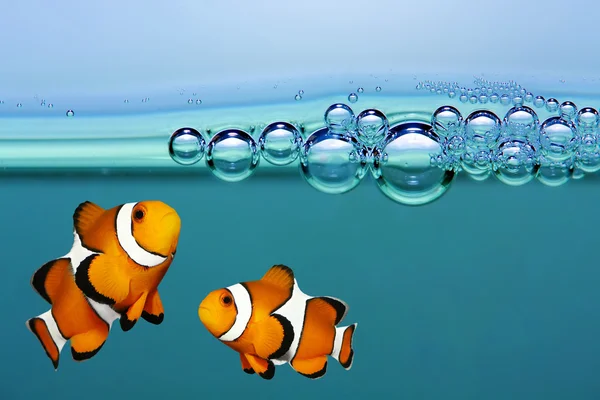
<point>44,327</point>
<point>342,347</point>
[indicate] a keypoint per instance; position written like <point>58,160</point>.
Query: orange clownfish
<point>119,257</point>
<point>271,322</point>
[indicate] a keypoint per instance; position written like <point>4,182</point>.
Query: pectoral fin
<point>133,313</point>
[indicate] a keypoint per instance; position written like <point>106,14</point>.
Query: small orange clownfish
<point>119,257</point>
<point>272,322</point>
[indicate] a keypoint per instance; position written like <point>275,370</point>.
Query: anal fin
<point>130,317</point>
<point>45,329</point>
<point>264,368</point>
<point>246,367</point>
<point>274,337</point>
<point>86,345</point>
<point>100,279</point>
<point>153,309</point>
<point>313,368</point>
<point>47,279</point>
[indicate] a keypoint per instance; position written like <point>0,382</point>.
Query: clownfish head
<point>155,226</point>
<point>218,312</point>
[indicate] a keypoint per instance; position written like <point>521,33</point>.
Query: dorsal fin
<point>85,215</point>
<point>281,276</point>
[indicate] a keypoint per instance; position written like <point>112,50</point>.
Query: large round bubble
<point>232,155</point>
<point>409,171</point>
<point>280,143</point>
<point>332,162</point>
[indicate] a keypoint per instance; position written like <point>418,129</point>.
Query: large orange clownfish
<point>119,257</point>
<point>272,322</point>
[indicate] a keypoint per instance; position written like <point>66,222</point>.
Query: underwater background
<point>487,292</point>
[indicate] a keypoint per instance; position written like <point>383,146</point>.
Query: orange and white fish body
<point>118,258</point>
<point>272,322</point>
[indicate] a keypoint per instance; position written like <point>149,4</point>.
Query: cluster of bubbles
<point>519,148</point>
<point>333,159</point>
<point>484,91</point>
<point>413,162</point>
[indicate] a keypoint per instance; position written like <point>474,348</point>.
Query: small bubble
<point>372,127</point>
<point>473,99</point>
<point>587,118</point>
<point>194,94</point>
<point>517,101</point>
<point>275,86</point>
<point>186,146</point>
<point>504,100</point>
<point>70,113</point>
<point>378,89</point>
<point>483,99</point>
<point>446,121</point>
<point>552,105</point>
<point>451,94</point>
<point>339,118</point>
<point>568,110</point>
<point>352,97</point>
<point>298,97</point>
<point>198,101</point>
<point>190,101</point>
<point>360,90</point>
<point>126,101</point>
<point>19,105</point>
<point>351,82</point>
<point>301,92</point>
<point>43,102</point>
<point>463,98</point>
<point>50,105</point>
<point>528,97</point>
<point>494,98</point>
<point>539,101</point>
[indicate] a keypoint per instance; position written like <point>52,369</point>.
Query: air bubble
<point>517,101</point>
<point>515,163</point>
<point>50,105</point>
<point>552,105</point>
<point>529,97</point>
<point>408,172</point>
<point>463,98</point>
<point>521,123</point>
<point>280,143</point>
<point>331,162</point>
<point>186,146</point>
<point>504,100</point>
<point>19,105</point>
<point>372,126</point>
<point>568,110</point>
<point>198,101</point>
<point>539,101</point>
<point>482,129</point>
<point>473,99</point>
<point>190,101</point>
<point>352,97</point>
<point>339,118</point>
<point>552,173</point>
<point>378,89</point>
<point>587,119</point>
<point>232,155</point>
<point>360,90</point>
<point>70,113</point>
<point>558,138</point>
<point>494,98</point>
<point>298,97</point>
<point>446,121</point>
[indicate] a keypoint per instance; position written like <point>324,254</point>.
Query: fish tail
<point>45,328</point>
<point>342,347</point>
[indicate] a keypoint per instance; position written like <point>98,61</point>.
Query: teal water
<point>486,293</point>
<point>489,292</point>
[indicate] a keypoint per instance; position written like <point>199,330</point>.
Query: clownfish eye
<point>138,215</point>
<point>226,300</point>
